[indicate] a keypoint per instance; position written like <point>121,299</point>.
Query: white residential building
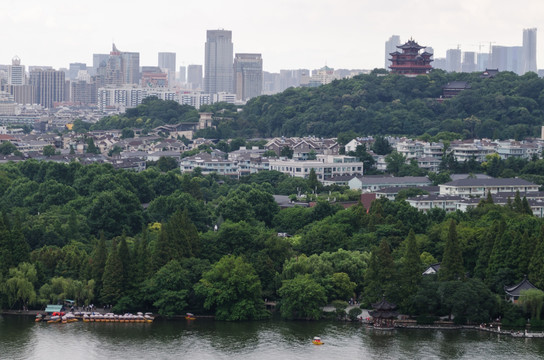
<point>480,187</point>
<point>325,166</point>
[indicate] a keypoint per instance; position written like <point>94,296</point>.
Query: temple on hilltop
<point>410,62</point>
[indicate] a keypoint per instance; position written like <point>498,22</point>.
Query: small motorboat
<point>190,316</point>
<point>317,341</point>
<point>39,318</point>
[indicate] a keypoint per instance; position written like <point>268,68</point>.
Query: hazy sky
<point>290,34</point>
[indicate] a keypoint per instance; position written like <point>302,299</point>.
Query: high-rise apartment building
<point>16,72</point>
<point>182,74</point>
<point>194,76</point>
<point>74,70</point>
<point>248,76</point>
<point>453,60</point>
<point>469,61</point>
<point>507,58</point>
<point>167,62</point>
<point>390,47</point>
<point>218,70</point>
<point>131,67</point>
<point>97,60</point>
<point>529,50</point>
<point>49,85</point>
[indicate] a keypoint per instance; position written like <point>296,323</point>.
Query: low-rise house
<point>372,183</point>
<point>429,163</point>
<point>480,187</point>
<point>411,149</point>
<point>325,166</point>
<point>426,203</point>
<point>214,162</point>
<point>392,192</point>
<point>472,149</point>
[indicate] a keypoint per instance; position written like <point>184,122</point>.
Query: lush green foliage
<point>507,106</point>
<point>81,232</point>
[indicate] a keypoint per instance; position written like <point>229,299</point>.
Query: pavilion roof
<point>384,305</point>
<point>515,290</point>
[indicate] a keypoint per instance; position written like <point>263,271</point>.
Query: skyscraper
<point>16,72</point>
<point>390,47</point>
<point>218,70</point>
<point>529,50</point>
<point>167,62</point>
<point>98,59</point>
<point>194,76</point>
<point>131,67</point>
<point>469,61</point>
<point>74,69</point>
<point>453,60</point>
<point>248,76</point>
<point>182,74</point>
<point>49,85</point>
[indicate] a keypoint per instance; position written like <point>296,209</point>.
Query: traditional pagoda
<point>410,62</point>
<point>384,314</point>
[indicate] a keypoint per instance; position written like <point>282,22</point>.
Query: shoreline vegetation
<point>399,324</point>
<point>169,242</point>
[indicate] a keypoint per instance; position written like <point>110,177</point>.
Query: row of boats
<point>95,317</point>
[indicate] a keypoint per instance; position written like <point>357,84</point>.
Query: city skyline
<point>292,34</point>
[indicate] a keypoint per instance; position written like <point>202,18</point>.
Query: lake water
<point>21,338</point>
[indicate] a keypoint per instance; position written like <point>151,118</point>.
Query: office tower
<point>99,59</point>
<point>453,60</point>
<point>167,62</point>
<point>74,69</point>
<point>483,61</point>
<point>248,76</point>
<point>529,50</point>
<point>507,58</point>
<point>390,47</point>
<point>218,71</point>
<point>469,61</point>
<point>271,83</point>
<point>49,85</point>
<point>194,76</point>
<point>131,67</point>
<point>182,74</point>
<point>439,63</point>
<point>16,72</point>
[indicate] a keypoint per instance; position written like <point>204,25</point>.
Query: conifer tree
<point>100,255</point>
<point>113,277</point>
<point>20,250</point>
<point>536,267</point>
<point>451,267</point>
<point>163,252</point>
<point>525,207</point>
<point>380,275</point>
<point>526,250</point>
<point>126,264</point>
<point>517,205</point>
<point>487,245</point>
<point>410,271</point>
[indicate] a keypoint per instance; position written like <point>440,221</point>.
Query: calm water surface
<point>21,338</point>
